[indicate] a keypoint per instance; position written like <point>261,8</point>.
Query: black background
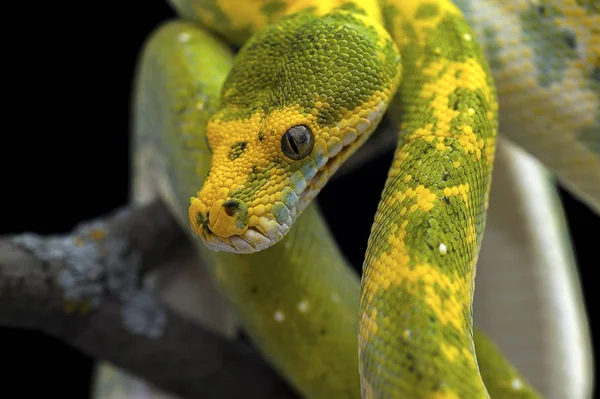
<point>65,159</point>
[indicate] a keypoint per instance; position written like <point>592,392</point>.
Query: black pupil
<point>292,142</point>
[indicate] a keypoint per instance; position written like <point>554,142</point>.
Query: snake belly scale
<point>239,146</point>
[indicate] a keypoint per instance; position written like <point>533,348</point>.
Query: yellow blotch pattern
<point>441,82</point>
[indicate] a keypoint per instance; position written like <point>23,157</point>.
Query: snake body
<point>239,145</point>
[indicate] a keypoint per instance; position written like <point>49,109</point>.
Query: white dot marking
<point>516,384</point>
<point>279,316</point>
<point>303,306</point>
<point>443,250</point>
<point>184,37</point>
<point>467,37</point>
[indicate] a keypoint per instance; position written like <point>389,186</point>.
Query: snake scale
<point>238,145</point>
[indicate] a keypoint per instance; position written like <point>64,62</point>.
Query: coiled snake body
<point>238,146</point>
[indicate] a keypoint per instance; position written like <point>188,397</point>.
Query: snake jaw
<point>251,241</point>
<point>254,239</point>
<point>219,233</point>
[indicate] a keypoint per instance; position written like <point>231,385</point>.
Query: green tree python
<point>238,145</point>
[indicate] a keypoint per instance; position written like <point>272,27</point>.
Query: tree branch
<point>85,288</point>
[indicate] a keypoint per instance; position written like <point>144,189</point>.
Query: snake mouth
<point>267,232</point>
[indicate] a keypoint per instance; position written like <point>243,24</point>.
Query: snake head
<point>302,95</point>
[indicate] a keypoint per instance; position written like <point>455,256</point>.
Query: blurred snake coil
<point>239,142</point>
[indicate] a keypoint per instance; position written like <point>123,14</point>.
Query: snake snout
<point>226,225</point>
<point>228,218</point>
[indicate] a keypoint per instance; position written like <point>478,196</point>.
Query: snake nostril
<point>231,206</point>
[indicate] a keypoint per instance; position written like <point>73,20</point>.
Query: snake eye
<point>298,142</point>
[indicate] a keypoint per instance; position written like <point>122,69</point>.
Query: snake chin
<point>262,236</point>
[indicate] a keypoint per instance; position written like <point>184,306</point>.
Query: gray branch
<point>86,289</point>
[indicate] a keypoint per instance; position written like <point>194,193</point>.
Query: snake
<point>244,110</point>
